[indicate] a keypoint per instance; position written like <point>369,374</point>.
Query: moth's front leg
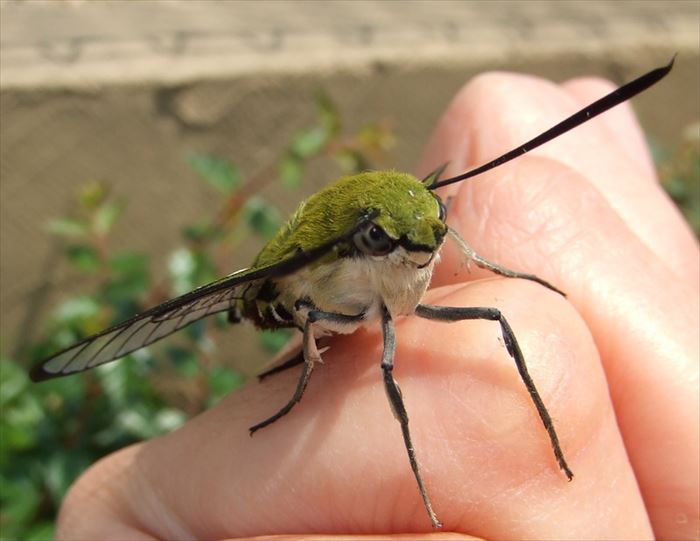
<point>310,354</point>
<point>483,263</point>
<point>396,401</point>
<point>451,314</point>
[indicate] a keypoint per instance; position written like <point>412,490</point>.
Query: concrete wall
<point>121,91</point>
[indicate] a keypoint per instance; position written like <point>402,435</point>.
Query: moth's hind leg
<point>451,314</point>
<point>310,356</point>
<point>290,363</point>
<point>470,254</point>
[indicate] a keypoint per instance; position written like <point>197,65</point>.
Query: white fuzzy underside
<point>353,285</point>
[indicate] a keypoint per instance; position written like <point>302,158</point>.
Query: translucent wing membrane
<point>164,319</point>
<point>146,328</point>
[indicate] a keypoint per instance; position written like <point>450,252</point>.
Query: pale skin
<point>616,364</point>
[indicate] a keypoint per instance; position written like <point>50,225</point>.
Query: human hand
<point>585,213</point>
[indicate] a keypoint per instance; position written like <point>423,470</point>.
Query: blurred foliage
<point>51,432</point>
<point>679,170</point>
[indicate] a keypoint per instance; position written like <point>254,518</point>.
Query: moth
<point>359,251</point>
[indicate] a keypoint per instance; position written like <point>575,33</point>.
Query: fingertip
<point>497,112</point>
<point>97,505</point>
<point>523,218</point>
<point>464,134</point>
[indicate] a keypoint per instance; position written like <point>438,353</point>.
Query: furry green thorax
<point>402,205</point>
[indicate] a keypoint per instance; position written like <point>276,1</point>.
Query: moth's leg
<point>450,314</point>
<point>290,363</point>
<point>394,394</point>
<point>469,253</point>
<point>310,354</point>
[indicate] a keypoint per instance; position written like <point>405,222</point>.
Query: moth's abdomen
<point>264,307</point>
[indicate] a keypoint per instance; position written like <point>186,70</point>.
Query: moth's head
<point>398,211</point>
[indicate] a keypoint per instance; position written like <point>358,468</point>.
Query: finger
<point>643,313</point>
<point>497,112</point>
<point>545,219</point>
<point>337,463</point>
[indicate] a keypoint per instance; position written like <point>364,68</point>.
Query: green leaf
<point>351,161</point>
<point>13,381</point>
<point>128,263</point>
<point>308,143</point>
<point>222,175</point>
<point>168,419</point>
<point>21,421</point>
<point>181,267</point>
<point>106,216</point>
<point>84,257</point>
<point>223,381</point>
<point>126,386</point>
<point>20,500</point>
<point>144,422</point>
<point>189,269</point>
<point>77,309</point>
<point>291,170</point>
<point>327,112</point>
<point>114,379</point>
<point>124,292</point>
<point>61,469</point>
<point>377,137</point>
<point>128,280</point>
<point>42,531</point>
<point>275,340</point>
<point>92,195</point>
<point>262,217</point>
<point>67,227</point>
<point>184,361</point>
<point>197,232</point>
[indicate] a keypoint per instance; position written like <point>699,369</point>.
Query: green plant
<point>679,170</point>
<point>52,432</point>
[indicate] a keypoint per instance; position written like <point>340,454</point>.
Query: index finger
<point>558,214</point>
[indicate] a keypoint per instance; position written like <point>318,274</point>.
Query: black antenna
<point>615,97</point>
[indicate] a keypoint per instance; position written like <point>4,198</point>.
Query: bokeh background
<point>140,120</point>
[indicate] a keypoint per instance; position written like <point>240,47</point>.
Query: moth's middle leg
<point>393,392</point>
<point>452,314</point>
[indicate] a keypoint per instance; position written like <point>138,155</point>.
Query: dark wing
<point>164,319</point>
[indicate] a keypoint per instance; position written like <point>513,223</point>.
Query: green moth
<point>359,251</point>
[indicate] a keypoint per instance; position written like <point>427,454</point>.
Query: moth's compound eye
<point>442,209</point>
<point>372,240</point>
